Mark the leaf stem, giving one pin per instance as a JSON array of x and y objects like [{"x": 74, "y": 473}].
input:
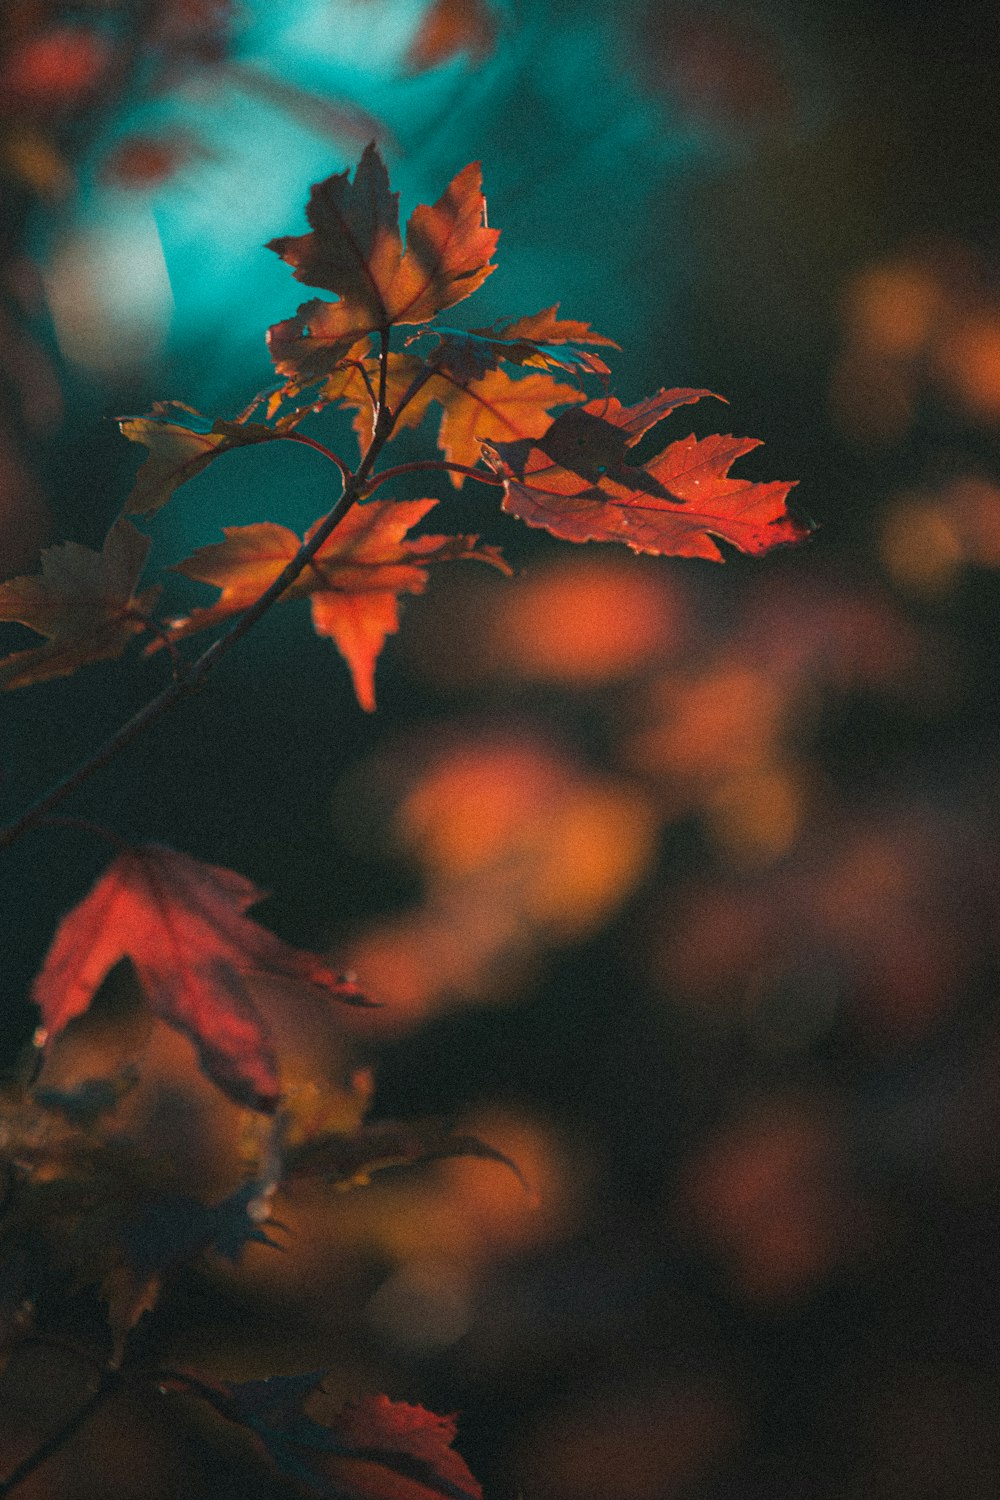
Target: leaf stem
[
  {"x": 422, "y": 465},
  {"x": 110, "y": 1380},
  {"x": 177, "y": 663},
  {"x": 359, "y": 365}
]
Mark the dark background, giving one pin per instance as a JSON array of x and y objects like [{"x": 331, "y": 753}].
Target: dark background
[{"x": 761, "y": 1066}]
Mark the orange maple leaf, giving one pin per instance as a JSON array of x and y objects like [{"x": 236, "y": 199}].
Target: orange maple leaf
[
  {"x": 353, "y": 583},
  {"x": 494, "y": 407},
  {"x": 576, "y": 482},
  {"x": 354, "y": 249},
  {"x": 182, "y": 924},
  {"x": 83, "y": 601}
]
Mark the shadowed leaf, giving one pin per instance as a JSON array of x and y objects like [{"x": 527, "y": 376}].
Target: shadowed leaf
[
  {"x": 179, "y": 451},
  {"x": 182, "y": 924},
  {"x": 83, "y": 601},
  {"x": 575, "y": 482}
]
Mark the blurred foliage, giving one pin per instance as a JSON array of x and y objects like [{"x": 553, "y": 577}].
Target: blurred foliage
[{"x": 681, "y": 887}]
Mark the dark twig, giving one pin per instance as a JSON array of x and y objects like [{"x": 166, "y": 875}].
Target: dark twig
[
  {"x": 354, "y": 488},
  {"x": 110, "y": 1381}
]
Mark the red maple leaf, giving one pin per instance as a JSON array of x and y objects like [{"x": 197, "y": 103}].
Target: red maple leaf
[
  {"x": 182, "y": 924},
  {"x": 576, "y": 482}
]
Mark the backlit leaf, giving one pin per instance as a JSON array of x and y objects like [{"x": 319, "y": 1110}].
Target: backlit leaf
[
  {"x": 178, "y": 451},
  {"x": 493, "y": 407},
  {"x": 353, "y": 583},
  {"x": 576, "y": 482},
  {"x": 354, "y": 249},
  {"x": 182, "y": 924}
]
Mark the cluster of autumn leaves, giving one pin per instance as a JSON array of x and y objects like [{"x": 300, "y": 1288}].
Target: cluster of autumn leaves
[
  {"x": 569, "y": 474},
  {"x": 182, "y": 923}
]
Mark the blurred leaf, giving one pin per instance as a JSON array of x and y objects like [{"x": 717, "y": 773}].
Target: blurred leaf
[
  {"x": 351, "y": 1159},
  {"x": 83, "y": 601},
  {"x": 450, "y": 27},
  {"x": 374, "y": 1449}
]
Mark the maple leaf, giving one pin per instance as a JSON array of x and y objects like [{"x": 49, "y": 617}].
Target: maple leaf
[
  {"x": 576, "y": 482},
  {"x": 354, "y": 250},
  {"x": 182, "y": 924},
  {"x": 353, "y": 583},
  {"x": 493, "y": 407},
  {"x": 543, "y": 339},
  {"x": 179, "y": 451},
  {"x": 83, "y": 601}
]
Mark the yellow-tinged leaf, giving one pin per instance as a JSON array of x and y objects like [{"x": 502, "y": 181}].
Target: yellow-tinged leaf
[
  {"x": 177, "y": 452},
  {"x": 493, "y": 408}
]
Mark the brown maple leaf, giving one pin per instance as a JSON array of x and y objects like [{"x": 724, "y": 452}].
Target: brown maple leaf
[
  {"x": 182, "y": 924},
  {"x": 353, "y": 583},
  {"x": 576, "y": 482},
  {"x": 354, "y": 249},
  {"x": 83, "y": 601}
]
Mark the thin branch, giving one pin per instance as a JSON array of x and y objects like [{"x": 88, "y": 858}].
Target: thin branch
[
  {"x": 199, "y": 669},
  {"x": 359, "y": 365},
  {"x": 110, "y": 1380},
  {"x": 382, "y": 415},
  {"x": 422, "y": 465}
]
